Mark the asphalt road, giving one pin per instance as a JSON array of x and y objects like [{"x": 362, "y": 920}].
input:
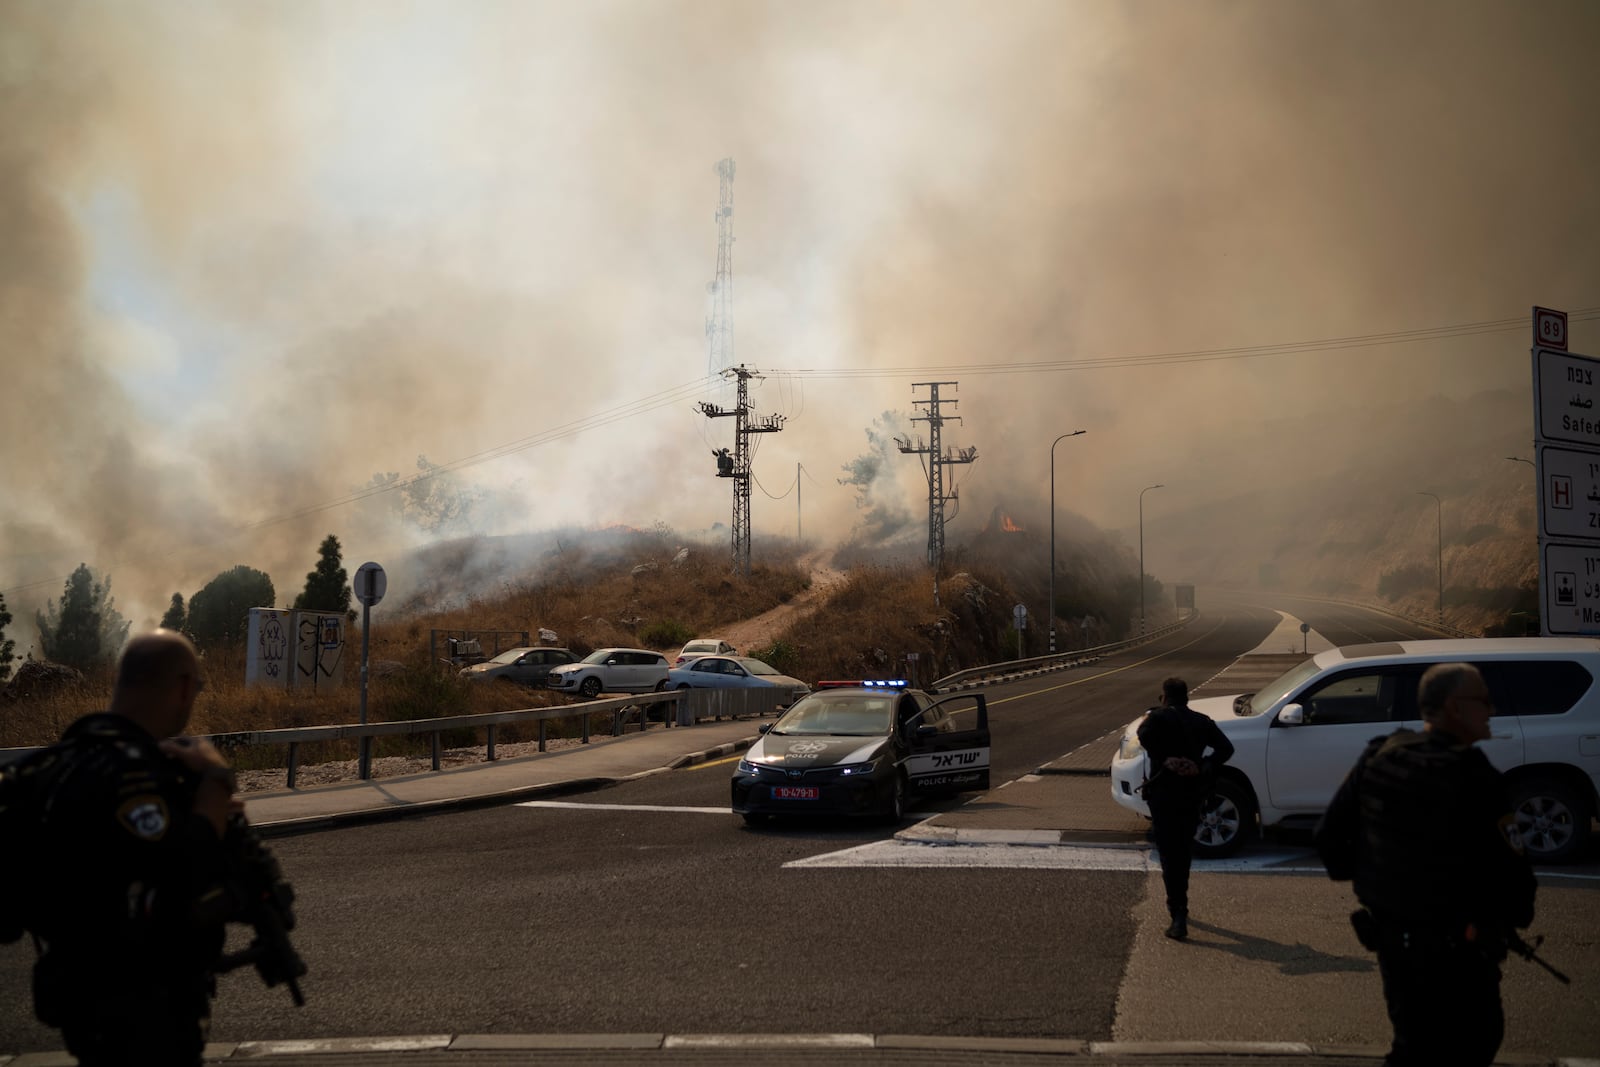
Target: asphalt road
[{"x": 654, "y": 909}]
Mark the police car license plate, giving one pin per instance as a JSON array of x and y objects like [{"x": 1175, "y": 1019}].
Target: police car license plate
[{"x": 795, "y": 792}]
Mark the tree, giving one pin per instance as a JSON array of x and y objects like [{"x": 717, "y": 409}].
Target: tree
[
  {"x": 435, "y": 499},
  {"x": 83, "y": 629},
  {"x": 8, "y": 647},
  {"x": 327, "y": 587},
  {"x": 176, "y": 617},
  {"x": 219, "y": 614}
]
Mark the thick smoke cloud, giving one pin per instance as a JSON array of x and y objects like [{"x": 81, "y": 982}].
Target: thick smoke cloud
[{"x": 257, "y": 254}]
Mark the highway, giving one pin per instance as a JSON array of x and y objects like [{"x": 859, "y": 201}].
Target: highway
[{"x": 649, "y": 907}]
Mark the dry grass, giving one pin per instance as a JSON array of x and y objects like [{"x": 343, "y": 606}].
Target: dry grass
[{"x": 631, "y": 594}]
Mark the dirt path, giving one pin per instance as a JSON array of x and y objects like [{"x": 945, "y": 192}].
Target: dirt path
[{"x": 765, "y": 628}]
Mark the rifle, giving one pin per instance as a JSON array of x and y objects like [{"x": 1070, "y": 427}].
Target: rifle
[
  {"x": 1531, "y": 954},
  {"x": 263, "y": 898}
]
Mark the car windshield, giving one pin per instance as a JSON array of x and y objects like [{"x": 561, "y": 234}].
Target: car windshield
[
  {"x": 755, "y": 666},
  {"x": 599, "y": 655},
  {"x": 861, "y": 716},
  {"x": 700, "y": 646},
  {"x": 509, "y": 656},
  {"x": 1276, "y": 690}
]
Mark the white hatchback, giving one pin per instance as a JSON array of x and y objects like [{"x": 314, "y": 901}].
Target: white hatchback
[
  {"x": 1297, "y": 737},
  {"x": 612, "y": 670}
]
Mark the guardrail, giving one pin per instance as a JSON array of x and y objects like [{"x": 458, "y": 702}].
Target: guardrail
[
  {"x": 1059, "y": 661},
  {"x": 687, "y": 707}
]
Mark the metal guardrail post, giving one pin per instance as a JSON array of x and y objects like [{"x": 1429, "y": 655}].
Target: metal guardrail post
[
  {"x": 294, "y": 761},
  {"x": 541, "y": 735},
  {"x": 365, "y": 758},
  {"x": 491, "y": 742},
  {"x": 436, "y": 750}
]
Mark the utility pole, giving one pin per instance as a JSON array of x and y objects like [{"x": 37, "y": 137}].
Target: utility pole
[
  {"x": 737, "y": 465},
  {"x": 938, "y": 459},
  {"x": 799, "y": 519}
]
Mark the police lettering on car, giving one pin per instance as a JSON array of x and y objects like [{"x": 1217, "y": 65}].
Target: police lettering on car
[{"x": 864, "y": 748}]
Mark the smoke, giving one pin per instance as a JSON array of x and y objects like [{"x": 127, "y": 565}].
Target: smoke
[{"x": 257, "y": 255}]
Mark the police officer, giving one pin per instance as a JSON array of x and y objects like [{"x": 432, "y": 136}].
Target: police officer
[
  {"x": 1176, "y": 739},
  {"x": 132, "y": 910},
  {"x": 1423, "y": 825}
]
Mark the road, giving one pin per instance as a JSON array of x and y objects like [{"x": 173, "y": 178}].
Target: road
[{"x": 649, "y": 907}]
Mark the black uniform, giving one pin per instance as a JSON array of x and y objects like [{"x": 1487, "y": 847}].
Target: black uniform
[
  {"x": 1175, "y": 799},
  {"x": 1423, "y": 825},
  {"x": 130, "y": 907}
]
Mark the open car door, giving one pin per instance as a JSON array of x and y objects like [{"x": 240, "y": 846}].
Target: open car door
[{"x": 949, "y": 746}]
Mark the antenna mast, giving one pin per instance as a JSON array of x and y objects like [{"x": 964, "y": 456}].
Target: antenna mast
[{"x": 719, "y": 322}]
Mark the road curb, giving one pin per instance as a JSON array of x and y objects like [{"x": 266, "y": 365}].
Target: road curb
[{"x": 433, "y": 1047}]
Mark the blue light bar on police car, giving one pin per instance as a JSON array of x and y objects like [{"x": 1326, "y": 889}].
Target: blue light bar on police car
[{"x": 867, "y": 683}]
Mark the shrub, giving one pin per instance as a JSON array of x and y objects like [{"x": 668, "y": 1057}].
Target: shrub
[{"x": 665, "y": 634}]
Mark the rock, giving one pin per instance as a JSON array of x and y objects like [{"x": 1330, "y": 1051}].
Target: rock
[{"x": 36, "y": 678}]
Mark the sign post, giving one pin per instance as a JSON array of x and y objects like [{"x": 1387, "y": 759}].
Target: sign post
[
  {"x": 1566, "y": 427},
  {"x": 370, "y": 584},
  {"x": 1019, "y": 619}
]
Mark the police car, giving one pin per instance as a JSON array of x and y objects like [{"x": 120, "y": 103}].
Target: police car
[{"x": 864, "y": 748}]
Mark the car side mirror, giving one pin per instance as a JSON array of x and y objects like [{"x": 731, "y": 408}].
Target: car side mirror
[
  {"x": 1292, "y": 715},
  {"x": 1241, "y": 702},
  {"x": 763, "y": 728}
]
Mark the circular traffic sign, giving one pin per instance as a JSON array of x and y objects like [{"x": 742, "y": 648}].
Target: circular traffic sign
[{"x": 370, "y": 583}]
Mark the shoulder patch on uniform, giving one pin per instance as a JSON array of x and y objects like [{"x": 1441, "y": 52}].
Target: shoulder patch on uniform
[
  {"x": 1509, "y": 831},
  {"x": 145, "y": 817}
]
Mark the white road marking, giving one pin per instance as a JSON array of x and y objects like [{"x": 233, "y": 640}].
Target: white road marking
[
  {"x": 1050, "y": 857},
  {"x": 620, "y": 807}
]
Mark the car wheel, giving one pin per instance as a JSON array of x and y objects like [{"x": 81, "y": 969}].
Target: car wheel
[
  {"x": 897, "y": 800},
  {"x": 1227, "y": 820},
  {"x": 1552, "y": 819},
  {"x": 590, "y": 687},
  {"x": 661, "y": 686}
]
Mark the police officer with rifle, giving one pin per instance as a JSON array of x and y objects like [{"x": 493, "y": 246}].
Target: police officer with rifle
[
  {"x": 138, "y": 855},
  {"x": 1423, "y": 826}
]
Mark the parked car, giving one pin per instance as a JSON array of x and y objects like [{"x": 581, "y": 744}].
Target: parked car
[
  {"x": 612, "y": 670},
  {"x": 864, "y": 750},
  {"x": 525, "y": 666},
  {"x": 734, "y": 672},
  {"x": 704, "y": 646},
  {"x": 1296, "y": 738}
]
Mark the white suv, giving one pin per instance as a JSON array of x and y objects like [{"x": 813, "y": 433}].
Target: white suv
[
  {"x": 612, "y": 670},
  {"x": 1296, "y": 738}
]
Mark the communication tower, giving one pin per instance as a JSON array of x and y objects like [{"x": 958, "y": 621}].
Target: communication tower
[{"x": 719, "y": 320}]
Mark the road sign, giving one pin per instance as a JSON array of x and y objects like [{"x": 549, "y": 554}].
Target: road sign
[
  {"x": 1550, "y": 328},
  {"x": 1569, "y": 498},
  {"x": 1565, "y": 389},
  {"x": 1571, "y": 589},
  {"x": 370, "y": 584},
  {"x": 1019, "y": 616}
]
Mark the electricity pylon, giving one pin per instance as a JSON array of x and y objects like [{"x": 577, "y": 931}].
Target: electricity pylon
[
  {"x": 737, "y": 465},
  {"x": 938, "y": 459}
]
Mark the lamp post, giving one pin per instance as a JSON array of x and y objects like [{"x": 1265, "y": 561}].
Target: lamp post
[
  {"x": 1051, "y": 608},
  {"x": 1439, "y": 509},
  {"x": 1142, "y": 492}
]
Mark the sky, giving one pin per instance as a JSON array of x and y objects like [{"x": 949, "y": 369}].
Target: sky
[{"x": 256, "y": 254}]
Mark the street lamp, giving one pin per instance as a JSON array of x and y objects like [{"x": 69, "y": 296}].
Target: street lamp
[
  {"x": 1440, "y": 514},
  {"x": 1051, "y": 608},
  {"x": 1142, "y": 492}
]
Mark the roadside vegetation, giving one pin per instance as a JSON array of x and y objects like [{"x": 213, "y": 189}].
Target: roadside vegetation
[{"x": 639, "y": 588}]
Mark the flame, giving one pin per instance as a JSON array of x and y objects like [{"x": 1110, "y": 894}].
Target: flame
[{"x": 1008, "y": 526}]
